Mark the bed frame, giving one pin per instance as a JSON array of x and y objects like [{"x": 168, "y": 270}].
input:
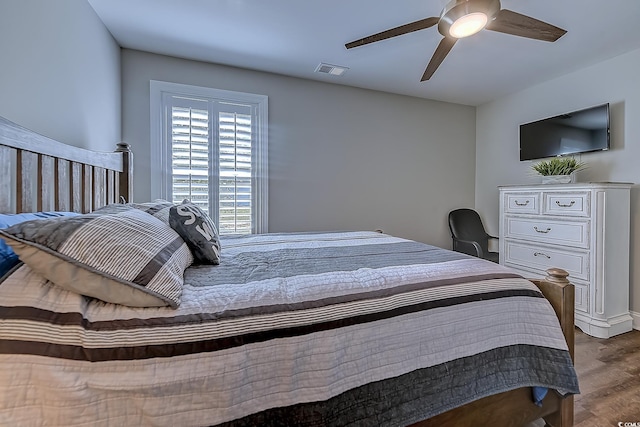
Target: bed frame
[{"x": 40, "y": 174}]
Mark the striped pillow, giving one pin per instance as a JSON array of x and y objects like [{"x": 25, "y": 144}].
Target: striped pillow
[
  {"x": 126, "y": 257},
  {"x": 159, "y": 208}
]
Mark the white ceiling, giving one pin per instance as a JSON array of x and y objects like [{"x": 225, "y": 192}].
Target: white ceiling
[{"x": 292, "y": 37}]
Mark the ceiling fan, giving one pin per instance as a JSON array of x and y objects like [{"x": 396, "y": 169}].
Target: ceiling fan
[{"x": 462, "y": 18}]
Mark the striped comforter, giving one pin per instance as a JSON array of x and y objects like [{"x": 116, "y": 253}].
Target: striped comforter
[{"x": 290, "y": 329}]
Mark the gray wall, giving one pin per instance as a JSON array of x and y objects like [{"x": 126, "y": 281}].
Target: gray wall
[
  {"x": 339, "y": 157},
  {"x": 60, "y": 72},
  {"x": 614, "y": 81}
]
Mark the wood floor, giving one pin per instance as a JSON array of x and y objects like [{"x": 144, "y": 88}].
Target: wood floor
[{"x": 609, "y": 377}]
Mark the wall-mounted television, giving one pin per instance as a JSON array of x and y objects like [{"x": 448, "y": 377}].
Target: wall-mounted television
[{"x": 571, "y": 133}]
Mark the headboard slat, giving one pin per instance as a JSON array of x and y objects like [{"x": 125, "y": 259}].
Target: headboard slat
[
  {"x": 99, "y": 191},
  {"x": 63, "y": 185},
  {"x": 46, "y": 183},
  {"x": 76, "y": 187},
  {"x": 26, "y": 165},
  {"x": 87, "y": 188},
  {"x": 7, "y": 155},
  {"x": 111, "y": 187}
]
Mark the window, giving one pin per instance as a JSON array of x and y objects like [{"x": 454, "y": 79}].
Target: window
[{"x": 211, "y": 148}]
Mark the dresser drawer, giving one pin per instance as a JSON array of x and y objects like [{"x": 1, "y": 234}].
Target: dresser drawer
[
  {"x": 541, "y": 258},
  {"x": 525, "y": 203},
  {"x": 565, "y": 203},
  {"x": 568, "y": 233}
]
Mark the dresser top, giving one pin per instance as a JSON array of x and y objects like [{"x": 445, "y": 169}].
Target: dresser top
[{"x": 569, "y": 186}]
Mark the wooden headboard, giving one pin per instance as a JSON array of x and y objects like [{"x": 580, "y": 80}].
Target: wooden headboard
[{"x": 40, "y": 174}]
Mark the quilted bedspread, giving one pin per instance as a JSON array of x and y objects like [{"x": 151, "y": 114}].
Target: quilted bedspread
[{"x": 353, "y": 328}]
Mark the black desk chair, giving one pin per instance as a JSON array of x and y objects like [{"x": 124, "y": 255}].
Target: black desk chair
[{"x": 469, "y": 235}]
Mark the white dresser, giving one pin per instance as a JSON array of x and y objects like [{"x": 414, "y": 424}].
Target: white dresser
[{"x": 581, "y": 228}]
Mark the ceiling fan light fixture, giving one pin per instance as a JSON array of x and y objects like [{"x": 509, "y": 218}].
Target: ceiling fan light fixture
[
  {"x": 468, "y": 25},
  {"x": 462, "y": 18}
]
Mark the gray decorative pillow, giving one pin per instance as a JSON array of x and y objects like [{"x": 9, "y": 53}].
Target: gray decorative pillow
[
  {"x": 198, "y": 230},
  {"x": 126, "y": 257}
]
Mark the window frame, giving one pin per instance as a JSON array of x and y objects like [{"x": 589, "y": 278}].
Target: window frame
[{"x": 160, "y": 143}]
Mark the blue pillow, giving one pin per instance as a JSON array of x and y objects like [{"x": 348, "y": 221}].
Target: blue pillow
[{"x": 8, "y": 258}]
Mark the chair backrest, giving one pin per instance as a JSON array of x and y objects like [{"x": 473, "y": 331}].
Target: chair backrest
[{"x": 465, "y": 224}]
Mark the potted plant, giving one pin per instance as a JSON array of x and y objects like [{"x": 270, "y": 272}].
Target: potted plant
[{"x": 559, "y": 170}]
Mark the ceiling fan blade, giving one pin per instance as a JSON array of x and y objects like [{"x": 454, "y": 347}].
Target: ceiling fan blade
[
  {"x": 509, "y": 22},
  {"x": 398, "y": 31},
  {"x": 438, "y": 56}
]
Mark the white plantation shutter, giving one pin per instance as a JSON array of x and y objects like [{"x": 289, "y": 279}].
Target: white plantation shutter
[
  {"x": 190, "y": 155},
  {"x": 235, "y": 171},
  {"x": 213, "y": 152}
]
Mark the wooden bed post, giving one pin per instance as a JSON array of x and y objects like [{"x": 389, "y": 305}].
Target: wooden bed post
[
  {"x": 562, "y": 298},
  {"x": 126, "y": 177},
  {"x": 561, "y": 294}
]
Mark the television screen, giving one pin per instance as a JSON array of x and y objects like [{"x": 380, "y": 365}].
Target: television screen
[{"x": 577, "y": 132}]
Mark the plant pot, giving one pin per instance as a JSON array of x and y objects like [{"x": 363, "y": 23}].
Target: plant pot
[{"x": 558, "y": 179}]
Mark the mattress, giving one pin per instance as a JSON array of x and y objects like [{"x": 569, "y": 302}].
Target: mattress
[{"x": 350, "y": 328}]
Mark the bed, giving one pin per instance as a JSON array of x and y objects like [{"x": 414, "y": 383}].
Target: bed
[{"x": 308, "y": 329}]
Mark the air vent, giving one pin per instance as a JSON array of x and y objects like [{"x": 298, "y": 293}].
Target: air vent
[{"x": 334, "y": 70}]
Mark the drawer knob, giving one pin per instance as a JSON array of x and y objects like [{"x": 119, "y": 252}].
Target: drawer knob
[
  {"x": 526, "y": 202},
  {"x": 573, "y": 202},
  {"x": 541, "y": 254},
  {"x": 542, "y": 231}
]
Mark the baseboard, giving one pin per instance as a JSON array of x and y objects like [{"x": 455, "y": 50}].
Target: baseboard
[{"x": 636, "y": 320}]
